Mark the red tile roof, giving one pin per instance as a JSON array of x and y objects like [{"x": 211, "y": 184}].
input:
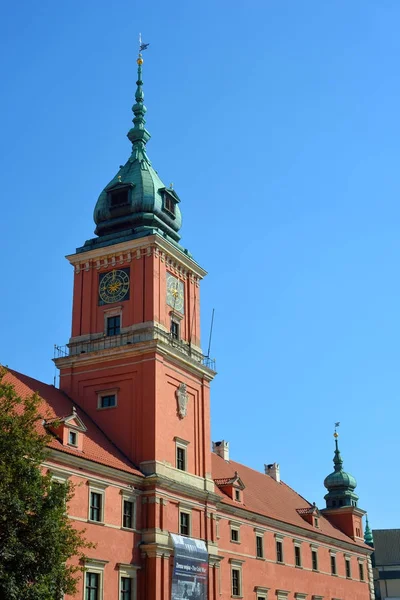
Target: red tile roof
[
  {"x": 267, "y": 497},
  {"x": 55, "y": 404}
]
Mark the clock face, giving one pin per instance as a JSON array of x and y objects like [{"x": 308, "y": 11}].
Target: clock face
[
  {"x": 175, "y": 293},
  {"x": 114, "y": 286}
]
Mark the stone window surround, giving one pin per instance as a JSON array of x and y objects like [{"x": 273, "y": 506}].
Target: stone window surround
[
  {"x": 129, "y": 497},
  {"x": 181, "y": 443},
  {"x": 237, "y": 565},
  {"x": 279, "y": 538},
  {"x": 297, "y": 544},
  {"x": 97, "y": 488},
  {"x": 125, "y": 570},
  {"x": 282, "y": 594},
  {"x": 261, "y": 592},
  {"x": 107, "y": 392},
  {"x": 184, "y": 509},
  {"x": 95, "y": 565},
  {"x": 116, "y": 311},
  {"x": 234, "y": 526},
  {"x": 260, "y": 534},
  {"x": 314, "y": 548}
]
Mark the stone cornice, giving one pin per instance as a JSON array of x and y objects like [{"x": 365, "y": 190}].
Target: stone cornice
[
  {"x": 126, "y": 252},
  {"x": 151, "y": 346},
  {"x": 103, "y": 470}
]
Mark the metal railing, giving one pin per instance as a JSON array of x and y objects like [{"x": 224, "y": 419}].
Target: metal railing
[{"x": 124, "y": 339}]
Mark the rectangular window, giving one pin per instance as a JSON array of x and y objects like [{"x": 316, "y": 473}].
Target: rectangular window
[
  {"x": 92, "y": 586},
  {"x": 127, "y": 520},
  {"x": 72, "y": 438},
  {"x": 361, "y": 568},
  {"x": 181, "y": 458},
  {"x": 348, "y": 568},
  {"x": 235, "y": 582},
  {"x": 259, "y": 546},
  {"x": 126, "y": 588},
  {"x": 184, "y": 524},
  {"x": 108, "y": 401},
  {"x": 175, "y": 330},
  {"x": 234, "y": 535},
  {"x": 333, "y": 564},
  {"x": 95, "y": 506},
  {"x": 169, "y": 204},
  {"x": 119, "y": 198},
  {"x": 237, "y": 495},
  {"x": 297, "y": 556},
  {"x": 314, "y": 560},
  {"x": 113, "y": 325},
  {"x": 279, "y": 551}
]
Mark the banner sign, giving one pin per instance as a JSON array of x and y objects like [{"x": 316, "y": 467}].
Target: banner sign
[{"x": 190, "y": 575}]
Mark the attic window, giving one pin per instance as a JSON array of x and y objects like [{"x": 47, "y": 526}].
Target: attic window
[
  {"x": 73, "y": 438},
  {"x": 237, "y": 495},
  {"x": 169, "y": 203},
  {"x": 119, "y": 198},
  {"x": 316, "y": 522}
]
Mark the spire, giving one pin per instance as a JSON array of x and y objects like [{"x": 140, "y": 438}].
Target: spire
[
  {"x": 138, "y": 135},
  {"x": 337, "y": 459},
  {"x": 368, "y": 537}
]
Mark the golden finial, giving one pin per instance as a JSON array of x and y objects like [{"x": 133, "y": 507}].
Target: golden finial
[
  {"x": 336, "y": 435},
  {"x": 119, "y": 178}
]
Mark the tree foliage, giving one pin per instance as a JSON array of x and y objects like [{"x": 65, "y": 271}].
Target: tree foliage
[{"x": 36, "y": 536}]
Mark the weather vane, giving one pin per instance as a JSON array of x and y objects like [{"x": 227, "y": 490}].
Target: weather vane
[
  {"x": 336, "y": 426},
  {"x": 142, "y": 46}
]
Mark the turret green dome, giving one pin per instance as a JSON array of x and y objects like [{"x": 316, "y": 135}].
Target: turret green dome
[
  {"x": 340, "y": 485},
  {"x": 136, "y": 202}
]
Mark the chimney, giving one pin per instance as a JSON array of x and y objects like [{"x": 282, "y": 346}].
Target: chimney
[
  {"x": 222, "y": 449},
  {"x": 273, "y": 471}
]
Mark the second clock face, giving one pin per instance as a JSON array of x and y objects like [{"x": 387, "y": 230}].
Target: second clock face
[
  {"x": 114, "y": 286},
  {"x": 175, "y": 293}
]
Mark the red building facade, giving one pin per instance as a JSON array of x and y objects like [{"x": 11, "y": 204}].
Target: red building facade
[{"x": 170, "y": 517}]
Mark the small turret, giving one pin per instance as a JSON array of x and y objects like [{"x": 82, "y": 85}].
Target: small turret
[{"x": 340, "y": 485}]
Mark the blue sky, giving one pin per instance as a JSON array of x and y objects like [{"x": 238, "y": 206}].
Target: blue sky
[{"x": 278, "y": 123}]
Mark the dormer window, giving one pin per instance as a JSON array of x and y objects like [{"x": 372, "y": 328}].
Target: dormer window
[
  {"x": 237, "y": 495},
  {"x": 119, "y": 197},
  {"x": 72, "y": 438},
  {"x": 169, "y": 203}
]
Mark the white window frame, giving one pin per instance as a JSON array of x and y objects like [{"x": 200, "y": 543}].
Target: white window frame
[
  {"x": 237, "y": 566},
  {"x": 314, "y": 549},
  {"x": 94, "y": 565},
  {"x": 97, "y": 488},
  {"x": 73, "y": 431},
  {"x": 128, "y": 497},
  {"x": 183, "y": 444},
  {"x": 362, "y": 562},
  {"x": 279, "y": 538},
  {"x": 234, "y": 526},
  {"x": 125, "y": 570},
  {"x": 297, "y": 544},
  {"x": 261, "y": 592},
  {"x": 333, "y": 553},
  {"x": 101, "y": 394},
  {"x": 282, "y": 594},
  {"x": 186, "y": 511}
]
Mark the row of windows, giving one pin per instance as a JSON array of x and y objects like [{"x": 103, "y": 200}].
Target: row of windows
[
  {"x": 96, "y": 510},
  {"x": 94, "y": 586},
  {"x": 297, "y": 554},
  {"x": 236, "y": 576},
  {"x": 113, "y": 327}
]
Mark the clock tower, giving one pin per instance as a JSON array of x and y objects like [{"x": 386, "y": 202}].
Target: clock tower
[{"x": 134, "y": 360}]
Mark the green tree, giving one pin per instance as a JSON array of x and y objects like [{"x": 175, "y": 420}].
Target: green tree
[{"x": 36, "y": 536}]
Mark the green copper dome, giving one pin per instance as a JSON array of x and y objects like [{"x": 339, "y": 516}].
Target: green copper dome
[
  {"x": 340, "y": 485},
  {"x": 136, "y": 202}
]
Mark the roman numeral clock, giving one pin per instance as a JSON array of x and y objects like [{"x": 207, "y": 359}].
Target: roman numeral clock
[{"x": 114, "y": 286}]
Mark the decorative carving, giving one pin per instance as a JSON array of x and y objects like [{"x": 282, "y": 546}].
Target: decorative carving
[{"x": 183, "y": 399}]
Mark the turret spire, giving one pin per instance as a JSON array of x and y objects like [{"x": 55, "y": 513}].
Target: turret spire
[
  {"x": 368, "y": 537},
  {"x": 138, "y": 135},
  {"x": 340, "y": 485}
]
